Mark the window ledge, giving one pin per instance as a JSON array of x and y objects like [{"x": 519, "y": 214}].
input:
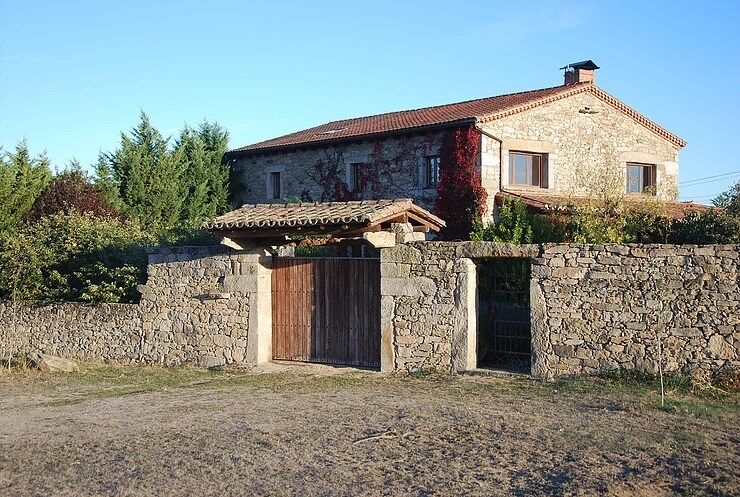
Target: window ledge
[{"x": 526, "y": 188}]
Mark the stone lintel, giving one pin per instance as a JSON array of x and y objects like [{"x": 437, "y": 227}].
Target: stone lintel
[{"x": 380, "y": 239}]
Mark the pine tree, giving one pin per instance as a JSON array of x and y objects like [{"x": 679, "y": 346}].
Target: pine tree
[
  {"x": 106, "y": 183},
  {"x": 22, "y": 178}
]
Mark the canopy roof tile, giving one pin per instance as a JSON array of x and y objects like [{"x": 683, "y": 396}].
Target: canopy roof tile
[{"x": 321, "y": 217}]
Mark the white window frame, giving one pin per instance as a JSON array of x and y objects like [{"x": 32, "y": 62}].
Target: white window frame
[
  {"x": 653, "y": 168},
  {"x": 543, "y": 163}
]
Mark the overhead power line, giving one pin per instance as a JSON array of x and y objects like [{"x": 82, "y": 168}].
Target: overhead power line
[
  {"x": 718, "y": 176},
  {"x": 704, "y": 182}
]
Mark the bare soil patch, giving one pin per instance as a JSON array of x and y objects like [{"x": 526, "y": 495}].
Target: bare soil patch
[{"x": 148, "y": 431}]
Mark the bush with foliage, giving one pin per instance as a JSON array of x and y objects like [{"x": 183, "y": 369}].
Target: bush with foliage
[
  {"x": 516, "y": 225},
  {"x": 707, "y": 227},
  {"x": 70, "y": 191},
  {"x": 74, "y": 257}
]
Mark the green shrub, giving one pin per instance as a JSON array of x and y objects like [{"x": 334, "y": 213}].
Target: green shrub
[
  {"x": 74, "y": 257},
  {"x": 516, "y": 225}
]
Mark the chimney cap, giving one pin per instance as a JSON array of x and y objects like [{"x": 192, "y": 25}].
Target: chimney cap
[{"x": 584, "y": 64}]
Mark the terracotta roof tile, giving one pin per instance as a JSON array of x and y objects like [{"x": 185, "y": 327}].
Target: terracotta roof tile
[
  {"x": 554, "y": 201},
  {"x": 480, "y": 110},
  {"x": 318, "y": 214}
]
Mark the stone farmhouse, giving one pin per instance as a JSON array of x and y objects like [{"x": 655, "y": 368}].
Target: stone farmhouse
[{"x": 541, "y": 145}]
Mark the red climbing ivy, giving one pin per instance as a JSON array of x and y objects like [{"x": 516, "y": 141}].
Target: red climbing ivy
[
  {"x": 384, "y": 175},
  {"x": 460, "y": 197}
]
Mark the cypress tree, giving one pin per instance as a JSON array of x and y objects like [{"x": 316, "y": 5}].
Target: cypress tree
[
  {"x": 22, "y": 178},
  {"x": 149, "y": 177},
  {"x": 206, "y": 173}
]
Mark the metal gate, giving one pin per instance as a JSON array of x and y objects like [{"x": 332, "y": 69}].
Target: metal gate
[
  {"x": 326, "y": 310},
  {"x": 505, "y": 337}
]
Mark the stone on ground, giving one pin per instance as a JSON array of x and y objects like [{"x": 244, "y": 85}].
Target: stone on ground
[{"x": 52, "y": 363}]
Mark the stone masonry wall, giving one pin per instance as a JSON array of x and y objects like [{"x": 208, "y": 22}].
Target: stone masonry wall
[
  {"x": 107, "y": 332},
  {"x": 602, "y": 307},
  {"x": 594, "y": 308},
  {"x": 580, "y": 146},
  {"x": 403, "y": 178},
  {"x": 428, "y": 302},
  {"x": 196, "y": 307}
]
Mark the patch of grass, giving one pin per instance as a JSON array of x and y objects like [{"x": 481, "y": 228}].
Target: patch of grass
[
  {"x": 712, "y": 410},
  {"x": 621, "y": 391},
  {"x": 683, "y": 437},
  {"x": 107, "y": 381},
  {"x": 642, "y": 391}
]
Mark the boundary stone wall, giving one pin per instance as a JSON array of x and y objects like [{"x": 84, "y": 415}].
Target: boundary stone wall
[
  {"x": 598, "y": 308},
  {"x": 429, "y": 303},
  {"x": 105, "y": 332},
  {"x": 197, "y": 306},
  {"x": 594, "y": 308}
]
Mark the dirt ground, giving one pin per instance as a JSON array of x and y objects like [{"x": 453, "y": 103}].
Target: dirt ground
[{"x": 326, "y": 432}]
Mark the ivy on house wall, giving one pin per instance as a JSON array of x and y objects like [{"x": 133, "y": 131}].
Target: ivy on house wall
[
  {"x": 390, "y": 171},
  {"x": 461, "y": 199}
]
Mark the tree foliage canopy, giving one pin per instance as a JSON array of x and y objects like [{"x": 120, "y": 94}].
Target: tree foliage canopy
[
  {"x": 729, "y": 200},
  {"x": 22, "y": 178},
  {"x": 162, "y": 185},
  {"x": 67, "y": 238}
]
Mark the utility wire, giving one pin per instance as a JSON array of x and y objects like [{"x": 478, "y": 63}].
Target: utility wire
[
  {"x": 705, "y": 196},
  {"x": 702, "y": 182},
  {"x": 720, "y": 176}
]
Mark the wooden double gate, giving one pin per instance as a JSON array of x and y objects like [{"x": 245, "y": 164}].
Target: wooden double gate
[{"x": 326, "y": 310}]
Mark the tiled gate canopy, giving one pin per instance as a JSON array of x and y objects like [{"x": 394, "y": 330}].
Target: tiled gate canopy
[{"x": 344, "y": 219}]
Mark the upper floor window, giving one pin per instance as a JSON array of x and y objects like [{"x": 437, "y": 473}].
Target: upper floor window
[
  {"x": 274, "y": 189},
  {"x": 528, "y": 169},
  {"x": 641, "y": 178},
  {"x": 354, "y": 181},
  {"x": 431, "y": 171}
]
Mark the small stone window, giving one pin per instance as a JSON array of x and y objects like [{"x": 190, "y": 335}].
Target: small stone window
[
  {"x": 431, "y": 171},
  {"x": 641, "y": 178},
  {"x": 354, "y": 181},
  {"x": 275, "y": 192},
  {"x": 528, "y": 169}
]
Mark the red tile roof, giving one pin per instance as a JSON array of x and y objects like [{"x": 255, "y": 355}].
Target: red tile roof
[
  {"x": 318, "y": 214},
  {"x": 553, "y": 201},
  {"x": 480, "y": 111}
]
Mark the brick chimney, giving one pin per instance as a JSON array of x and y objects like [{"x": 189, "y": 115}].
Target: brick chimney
[{"x": 580, "y": 72}]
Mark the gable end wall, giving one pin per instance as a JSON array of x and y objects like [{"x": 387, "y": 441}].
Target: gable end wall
[{"x": 585, "y": 139}]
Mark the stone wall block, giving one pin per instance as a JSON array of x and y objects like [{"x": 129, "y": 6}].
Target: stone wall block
[{"x": 406, "y": 254}]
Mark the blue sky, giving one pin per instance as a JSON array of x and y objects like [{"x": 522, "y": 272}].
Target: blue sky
[{"x": 74, "y": 74}]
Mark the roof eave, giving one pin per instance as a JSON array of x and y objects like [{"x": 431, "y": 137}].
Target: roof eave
[{"x": 345, "y": 139}]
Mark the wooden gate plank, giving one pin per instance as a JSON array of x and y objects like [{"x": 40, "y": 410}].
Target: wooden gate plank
[{"x": 327, "y": 310}]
